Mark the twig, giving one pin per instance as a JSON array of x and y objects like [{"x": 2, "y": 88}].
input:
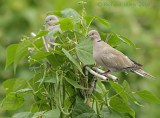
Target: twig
[
  {"x": 96, "y": 74},
  {"x": 109, "y": 75},
  {"x": 107, "y": 38},
  {"x": 91, "y": 90},
  {"x": 44, "y": 40}
]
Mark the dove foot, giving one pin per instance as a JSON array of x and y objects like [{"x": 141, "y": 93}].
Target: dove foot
[{"x": 106, "y": 73}]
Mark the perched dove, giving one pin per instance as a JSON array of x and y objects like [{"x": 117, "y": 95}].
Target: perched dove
[
  {"x": 112, "y": 59},
  {"x": 50, "y": 20}
]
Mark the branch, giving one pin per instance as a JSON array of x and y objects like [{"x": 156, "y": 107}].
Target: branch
[
  {"x": 96, "y": 74},
  {"x": 109, "y": 75},
  {"x": 91, "y": 90},
  {"x": 44, "y": 40},
  {"x": 107, "y": 38}
]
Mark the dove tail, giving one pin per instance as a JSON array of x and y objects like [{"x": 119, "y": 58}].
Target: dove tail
[{"x": 143, "y": 74}]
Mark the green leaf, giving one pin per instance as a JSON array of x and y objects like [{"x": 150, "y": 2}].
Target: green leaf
[
  {"x": 50, "y": 34},
  {"x": 34, "y": 108},
  {"x": 109, "y": 113},
  {"x": 13, "y": 85},
  {"x": 74, "y": 83},
  {"x": 23, "y": 92},
  {"x": 113, "y": 40},
  {"x": 56, "y": 60},
  {"x": 128, "y": 91},
  {"x": 103, "y": 36},
  {"x": 38, "y": 43},
  {"x": 125, "y": 40},
  {"x": 88, "y": 19},
  {"x": 70, "y": 13},
  {"x": 51, "y": 113},
  {"x": 103, "y": 21},
  {"x": 11, "y": 51},
  {"x": 12, "y": 102},
  {"x": 85, "y": 52},
  {"x": 119, "y": 90},
  {"x": 66, "y": 24},
  {"x": 148, "y": 96},
  {"x": 82, "y": 110},
  {"x": 72, "y": 59},
  {"x": 23, "y": 115},
  {"x": 21, "y": 52},
  {"x": 39, "y": 56},
  {"x": 40, "y": 34},
  {"x": 118, "y": 105}
]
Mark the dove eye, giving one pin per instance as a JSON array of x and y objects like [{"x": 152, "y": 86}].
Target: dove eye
[{"x": 92, "y": 33}]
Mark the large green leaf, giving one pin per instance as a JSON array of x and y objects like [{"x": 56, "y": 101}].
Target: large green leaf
[
  {"x": 56, "y": 60},
  {"x": 148, "y": 96},
  {"x": 21, "y": 52},
  {"x": 40, "y": 34},
  {"x": 128, "y": 91},
  {"x": 70, "y": 13},
  {"x": 39, "y": 56},
  {"x": 85, "y": 52},
  {"x": 119, "y": 90},
  {"x": 125, "y": 40},
  {"x": 82, "y": 110},
  {"x": 74, "y": 83},
  {"x": 103, "y": 21},
  {"x": 13, "y": 85},
  {"x": 118, "y": 105},
  {"x": 66, "y": 24},
  {"x": 88, "y": 19},
  {"x": 52, "y": 113},
  {"x": 113, "y": 40},
  {"x": 73, "y": 60},
  {"x": 38, "y": 43},
  {"x": 11, "y": 52},
  {"x": 12, "y": 102},
  {"x": 103, "y": 36},
  {"x": 23, "y": 115}
]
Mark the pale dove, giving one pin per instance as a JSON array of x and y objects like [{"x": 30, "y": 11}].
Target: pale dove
[
  {"x": 112, "y": 59},
  {"x": 50, "y": 20}
]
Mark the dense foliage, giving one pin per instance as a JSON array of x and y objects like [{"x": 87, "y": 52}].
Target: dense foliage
[{"x": 60, "y": 85}]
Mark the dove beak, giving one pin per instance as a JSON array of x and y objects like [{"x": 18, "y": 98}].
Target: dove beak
[
  {"x": 45, "y": 23},
  {"x": 87, "y": 37}
]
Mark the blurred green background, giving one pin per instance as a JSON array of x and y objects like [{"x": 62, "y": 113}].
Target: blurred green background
[{"x": 137, "y": 20}]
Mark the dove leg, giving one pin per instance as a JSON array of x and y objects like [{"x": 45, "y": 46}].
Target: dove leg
[{"x": 106, "y": 73}]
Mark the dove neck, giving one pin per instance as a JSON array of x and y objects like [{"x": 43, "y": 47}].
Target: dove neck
[{"x": 97, "y": 43}]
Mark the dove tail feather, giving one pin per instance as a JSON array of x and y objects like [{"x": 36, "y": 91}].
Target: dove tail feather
[{"x": 143, "y": 74}]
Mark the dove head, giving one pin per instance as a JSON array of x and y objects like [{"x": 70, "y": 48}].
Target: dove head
[
  {"x": 51, "y": 19},
  {"x": 93, "y": 34}
]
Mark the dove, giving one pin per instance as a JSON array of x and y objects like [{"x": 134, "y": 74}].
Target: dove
[
  {"x": 112, "y": 59},
  {"x": 50, "y": 20}
]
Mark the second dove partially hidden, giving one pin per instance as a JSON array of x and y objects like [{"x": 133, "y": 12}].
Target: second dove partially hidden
[{"x": 112, "y": 59}]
